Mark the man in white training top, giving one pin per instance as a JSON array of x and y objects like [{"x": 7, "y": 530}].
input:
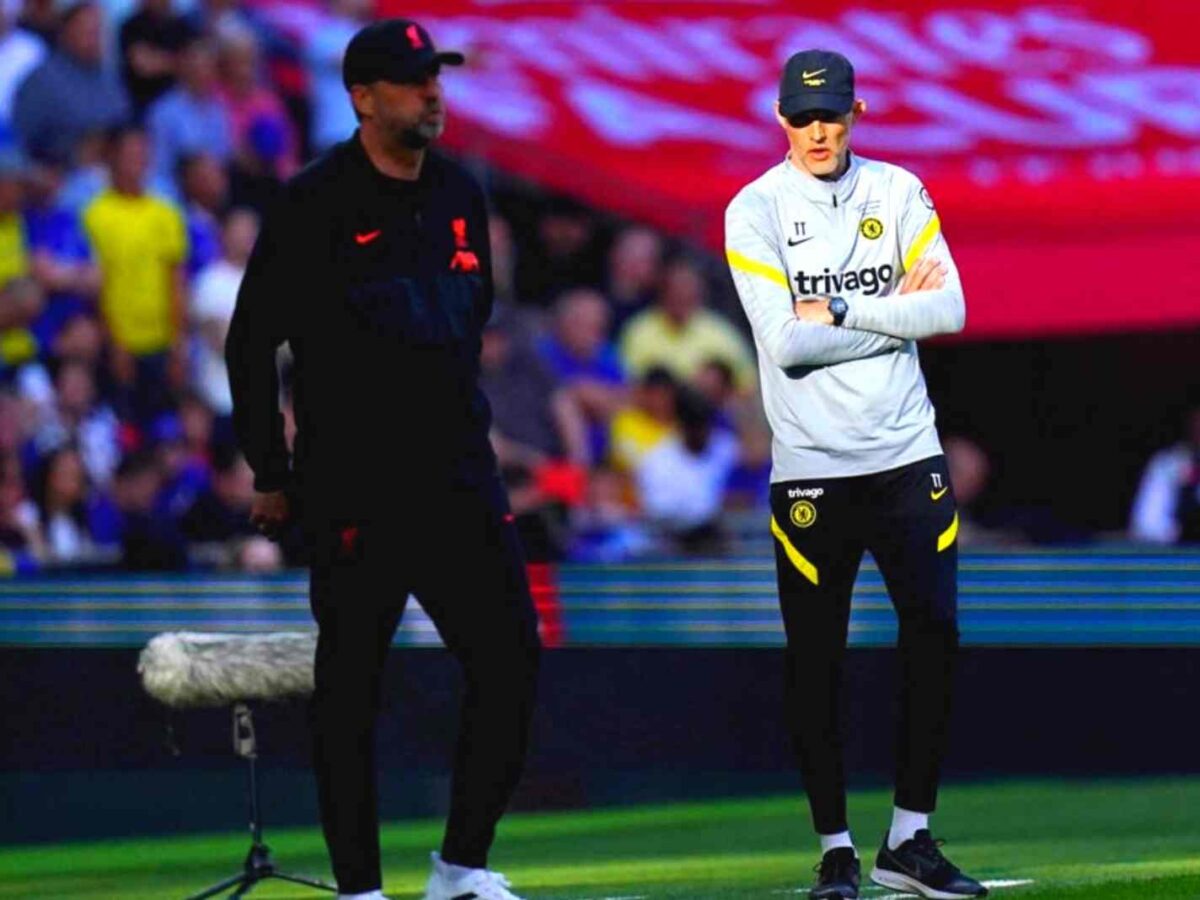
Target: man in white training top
[{"x": 841, "y": 266}]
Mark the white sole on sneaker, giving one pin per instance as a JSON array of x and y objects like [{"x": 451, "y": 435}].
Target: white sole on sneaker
[{"x": 900, "y": 882}]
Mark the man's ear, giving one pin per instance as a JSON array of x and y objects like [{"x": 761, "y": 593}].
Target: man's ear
[
  {"x": 779, "y": 116},
  {"x": 361, "y": 100},
  {"x": 859, "y": 109}
]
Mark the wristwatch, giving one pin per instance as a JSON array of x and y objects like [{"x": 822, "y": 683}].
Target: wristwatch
[{"x": 838, "y": 307}]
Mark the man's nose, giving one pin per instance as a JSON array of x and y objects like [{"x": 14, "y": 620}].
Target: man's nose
[{"x": 816, "y": 131}]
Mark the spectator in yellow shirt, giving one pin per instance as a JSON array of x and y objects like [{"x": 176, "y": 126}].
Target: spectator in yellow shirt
[
  {"x": 140, "y": 243},
  {"x": 680, "y": 335},
  {"x": 646, "y": 422},
  {"x": 21, "y": 298}
]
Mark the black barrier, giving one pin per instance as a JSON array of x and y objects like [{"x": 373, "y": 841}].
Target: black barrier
[{"x": 85, "y": 752}]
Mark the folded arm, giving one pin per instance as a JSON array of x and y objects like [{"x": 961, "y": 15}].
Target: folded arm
[
  {"x": 923, "y": 313},
  {"x": 759, "y": 274}
]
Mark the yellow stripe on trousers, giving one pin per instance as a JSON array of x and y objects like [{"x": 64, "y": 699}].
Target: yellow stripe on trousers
[
  {"x": 803, "y": 566},
  {"x": 754, "y": 267},
  {"x": 928, "y": 233},
  {"x": 946, "y": 538}
]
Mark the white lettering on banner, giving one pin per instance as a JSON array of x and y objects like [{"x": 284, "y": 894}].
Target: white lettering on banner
[
  {"x": 949, "y": 105},
  {"x": 529, "y": 44},
  {"x": 992, "y": 41},
  {"x": 1064, "y": 28},
  {"x": 1168, "y": 97},
  {"x": 660, "y": 57},
  {"x": 1090, "y": 123},
  {"x": 712, "y": 41},
  {"x": 1117, "y": 166},
  {"x": 1063, "y": 80},
  {"x": 892, "y": 33},
  {"x": 609, "y": 57},
  {"x": 636, "y": 120},
  {"x": 786, "y": 33},
  {"x": 507, "y": 102}
]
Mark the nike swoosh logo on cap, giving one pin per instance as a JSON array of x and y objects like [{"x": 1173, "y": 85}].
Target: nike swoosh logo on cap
[
  {"x": 805, "y": 75},
  {"x": 368, "y": 236}
]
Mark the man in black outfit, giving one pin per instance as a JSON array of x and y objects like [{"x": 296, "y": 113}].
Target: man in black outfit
[
  {"x": 374, "y": 267},
  {"x": 150, "y": 41}
]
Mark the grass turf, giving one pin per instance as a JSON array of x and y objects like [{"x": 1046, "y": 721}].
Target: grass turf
[{"x": 1074, "y": 840}]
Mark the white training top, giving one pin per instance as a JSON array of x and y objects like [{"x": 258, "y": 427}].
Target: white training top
[{"x": 847, "y": 400}]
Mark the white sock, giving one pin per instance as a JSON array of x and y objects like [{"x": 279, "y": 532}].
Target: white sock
[
  {"x": 905, "y": 825},
  {"x": 833, "y": 841},
  {"x": 369, "y": 895},
  {"x": 450, "y": 870}
]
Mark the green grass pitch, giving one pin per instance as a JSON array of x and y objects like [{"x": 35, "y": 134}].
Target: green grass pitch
[{"x": 1070, "y": 840}]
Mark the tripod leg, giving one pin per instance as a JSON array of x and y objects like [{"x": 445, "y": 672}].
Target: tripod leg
[
  {"x": 300, "y": 879},
  {"x": 219, "y": 888},
  {"x": 246, "y": 887}
]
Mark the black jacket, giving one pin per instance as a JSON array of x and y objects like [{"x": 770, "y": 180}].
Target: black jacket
[{"x": 382, "y": 288}]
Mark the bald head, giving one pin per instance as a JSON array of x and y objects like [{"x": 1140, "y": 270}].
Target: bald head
[
  {"x": 683, "y": 291},
  {"x": 635, "y": 261},
  {"x": 581, "y": 319}
]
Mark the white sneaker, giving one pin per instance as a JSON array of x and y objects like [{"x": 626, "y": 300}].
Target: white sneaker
[{"x": 471, "y": 884}]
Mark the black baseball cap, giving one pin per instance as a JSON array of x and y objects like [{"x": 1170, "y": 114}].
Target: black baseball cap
[
  {"x": 397, "y": 50},
  {"x": 816, "y": 79}
]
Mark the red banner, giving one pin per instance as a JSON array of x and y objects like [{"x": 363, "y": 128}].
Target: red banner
[{"x": 1061, "y": 143}]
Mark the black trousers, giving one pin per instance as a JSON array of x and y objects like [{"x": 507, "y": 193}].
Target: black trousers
[
  {"x": 908, "y": 520},
  {"x": 461, "y": 558}
]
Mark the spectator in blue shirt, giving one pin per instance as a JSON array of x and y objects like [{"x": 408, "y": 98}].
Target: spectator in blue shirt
[
  {"x": 61, "y": 258},
  {"x": 578, "y": 349},
  {"x": 584, "y": 361},
  {"x": 190, "y": 118},
  {"x": 205, "y": 186},
  {"x": 72, "y": 93}
]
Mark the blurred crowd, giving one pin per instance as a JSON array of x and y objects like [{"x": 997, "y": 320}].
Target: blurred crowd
[
  {"x": 137, "y": 154},
  {"x": 139, "y": 148},
  {"x": 625, "y": 414}
]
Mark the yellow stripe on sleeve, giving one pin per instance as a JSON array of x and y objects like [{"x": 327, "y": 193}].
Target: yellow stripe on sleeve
[
  {"x": 754, "y": 267},
  {"x": 946, "y": 538},
  {"x": 803, "y": 566},
  {"x": 928, "y": 233}
]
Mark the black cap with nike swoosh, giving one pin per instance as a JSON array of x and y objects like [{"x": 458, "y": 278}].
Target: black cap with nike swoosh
[{"x": 816, "y": 79}]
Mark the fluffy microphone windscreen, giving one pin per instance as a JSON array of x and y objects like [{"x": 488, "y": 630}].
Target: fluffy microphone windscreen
[{"x": 188, "y": 669}]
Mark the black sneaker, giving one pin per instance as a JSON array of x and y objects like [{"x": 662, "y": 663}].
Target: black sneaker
[
  {"x": 917, "y": 866},
  {"x": 837, "y": 876}
]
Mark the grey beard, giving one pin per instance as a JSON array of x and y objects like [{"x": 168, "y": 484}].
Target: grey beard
[{"x": 419, "y": 136}]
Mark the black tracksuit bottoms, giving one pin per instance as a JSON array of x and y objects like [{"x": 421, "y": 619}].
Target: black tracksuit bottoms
[
  {"x": 908, "y": 520},
  {"x": 461, "y": 558}
]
